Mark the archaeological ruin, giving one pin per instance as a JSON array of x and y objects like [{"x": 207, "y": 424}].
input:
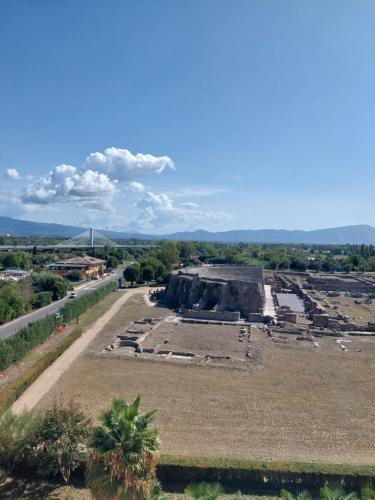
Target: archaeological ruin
[{"x": 217, "y": 291}]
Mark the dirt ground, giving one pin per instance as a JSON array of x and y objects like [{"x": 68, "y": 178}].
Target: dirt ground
[
  {"x": 297, "y": 403},
  {"x": 360, "y": 312},
  {"x": 51, "y": 375}
]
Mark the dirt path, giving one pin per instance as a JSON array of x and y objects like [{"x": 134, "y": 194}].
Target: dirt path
[{"x": 30, "y": 398}]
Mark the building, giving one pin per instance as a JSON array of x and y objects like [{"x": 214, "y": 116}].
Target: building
[
  {"x": 14, "y": 274},
  {"x": 89, "y": 267},
  {"x": 217, "y": 289}
]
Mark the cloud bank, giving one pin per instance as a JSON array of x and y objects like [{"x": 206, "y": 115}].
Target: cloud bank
[
  {"x": 95, "y": 180},
  {"x": 159, "y": 211},
  {"x": 97, "y": 190}
]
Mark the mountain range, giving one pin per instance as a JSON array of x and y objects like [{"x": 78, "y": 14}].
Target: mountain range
[{"x": 356, "y": 234}]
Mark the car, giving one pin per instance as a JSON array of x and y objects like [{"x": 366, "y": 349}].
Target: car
[{"x": 73, "y": 295}]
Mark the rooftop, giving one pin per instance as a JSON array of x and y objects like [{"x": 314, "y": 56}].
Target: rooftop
[{"x": 84, "y": 260}]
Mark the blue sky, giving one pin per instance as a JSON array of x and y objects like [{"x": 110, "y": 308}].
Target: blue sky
[{"x": 204, "y": 114}]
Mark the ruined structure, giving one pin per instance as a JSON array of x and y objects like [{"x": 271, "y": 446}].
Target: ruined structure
[
  {"x": 341, "y": 284},
  {"x": 217, "y": 288}
]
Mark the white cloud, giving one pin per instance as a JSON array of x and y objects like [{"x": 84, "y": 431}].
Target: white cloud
[
  {"x": 189, "y": 205},
  {"x": 137, "y": 187},
  {"x": 66, "y": 184},
  {"x": 12, "y": 173},
  {"x": 198, "y": 192},
  {"x": 159, "y": 212},
  {"x": 94, "y": 183},
  {"x": 121, "y": 164}
]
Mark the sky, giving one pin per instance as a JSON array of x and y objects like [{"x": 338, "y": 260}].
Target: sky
[{"x": 159, "y": 116}]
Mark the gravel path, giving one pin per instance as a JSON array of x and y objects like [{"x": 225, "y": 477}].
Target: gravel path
[{"x": 30, "y": 398}]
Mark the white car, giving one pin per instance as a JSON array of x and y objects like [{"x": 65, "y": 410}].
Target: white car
[{"x": 73, "y": 295}]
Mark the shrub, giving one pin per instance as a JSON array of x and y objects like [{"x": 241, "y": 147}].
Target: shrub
[
  {"x": 59, "y": 441},
  {"x": 204, "y": 491},
  {"x": 15, "y": 435}
]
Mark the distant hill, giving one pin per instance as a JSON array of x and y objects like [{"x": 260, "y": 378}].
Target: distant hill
[
  {"x": 18, "y": 227},
  {"x": 337, "y": 235}
]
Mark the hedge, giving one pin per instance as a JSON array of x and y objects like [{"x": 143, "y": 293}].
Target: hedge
[
  {"x": 14, "y": 390},
  {"x": 14, "y": 348},
  {"x": 78, "y": 306},
  {"x": 247, "y": 475}
]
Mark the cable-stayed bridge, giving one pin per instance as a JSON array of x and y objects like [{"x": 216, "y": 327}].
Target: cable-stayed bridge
[
  {"x": 90, "y": 238},
  {"x": 87, "y": 239}
]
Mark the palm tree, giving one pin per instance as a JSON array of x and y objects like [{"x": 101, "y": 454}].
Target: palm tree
[
  {"x": 122, "y": 462},
  {"x": 204, "y": 491},
  {"x": 336, "y": 493},
  {"x": 286, "y": 495}
]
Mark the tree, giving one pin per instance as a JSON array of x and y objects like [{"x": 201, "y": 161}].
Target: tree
[
  {"x": 111, "y": 262},
  {"x": 132, "y": 273},
  {"x": 298, "y": 262},
  {"x": 186, "y": 249},
  {"x": 204, "y": 491},
  {"x": 74, "y": 275},
  {"x": 122, "y": 462},
  {"x": 11, "y": 261},
  {"x": 329, "y": 265},
  {"x": 156, "y": 264},
  {"x": 12, "y": 303},
  {"x": 47, "y": 282},
  {"x": 42, "y": 299},
  {"x": 169, "y": 255},
  {"x": 59, "y": 440},
  {"x": 148, "y": 274},
  {"x": 15, "y": 435}
]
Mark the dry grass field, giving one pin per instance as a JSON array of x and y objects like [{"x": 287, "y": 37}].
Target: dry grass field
[{"x": 295, "y": 403}]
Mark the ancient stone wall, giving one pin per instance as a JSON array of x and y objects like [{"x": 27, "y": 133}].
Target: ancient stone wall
[
  {"x": 217, "y": 289},
  {"x": 325, "y": 283},
  {"x": 212, "y": 315}
]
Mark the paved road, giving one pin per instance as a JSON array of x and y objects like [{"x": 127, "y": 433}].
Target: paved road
[{"x": 12, "y": 327}]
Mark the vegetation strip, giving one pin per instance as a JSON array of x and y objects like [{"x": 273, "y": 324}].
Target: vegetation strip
[
  {"x": 33, "y": 335},
  {"x": 14, "y": 348},
  {"x": 261, "y": 475}
]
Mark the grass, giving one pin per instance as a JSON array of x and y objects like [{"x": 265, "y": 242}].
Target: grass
[{"x": 297, "y": 405}]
